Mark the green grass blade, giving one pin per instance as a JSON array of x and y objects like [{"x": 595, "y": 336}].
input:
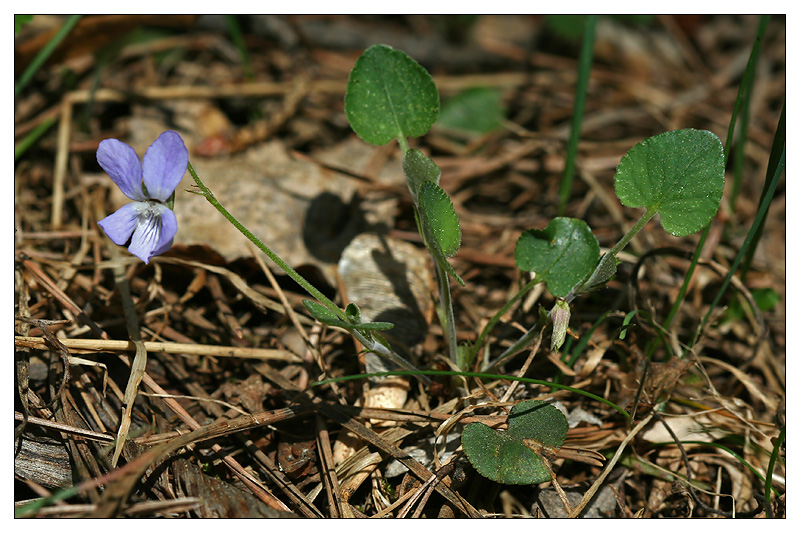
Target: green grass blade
[
  {"x": 499, "y": 314},
  {"x": 479, "y": 375},
  {"x": 773, "y": 160},
  {"x": 238, "y": 41},
  {"x": 770, "y": 469},
  {"x": 44, "y": 53},
  {"x": 744, "y": 96},
  {"x": 581, "y": 90},
  {"x": 760, "y": 215},
  {"x": 32, "y": 137},
  {"x": 732, "y": 453}
]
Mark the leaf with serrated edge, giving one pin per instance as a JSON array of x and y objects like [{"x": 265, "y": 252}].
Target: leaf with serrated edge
[
  {"x": 678, "y": 174},
  {"x": 439, "y": 216}
]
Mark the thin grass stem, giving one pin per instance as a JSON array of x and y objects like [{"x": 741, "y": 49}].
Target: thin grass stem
[
  {"x": 499, "y": 314},
  {"x": 760, "y": 215},
  {"x": 31, "y": 138},
  {"x": 743, "y": 98},
  {"x": 770, "y": 469},
  {"x": 479, "y": 375},
  {"x": 773, "y": 160},
  {"x": 238, "y": 41},
  {"x": 581, "y": 92},
  {"x": 44, "y": 53}
]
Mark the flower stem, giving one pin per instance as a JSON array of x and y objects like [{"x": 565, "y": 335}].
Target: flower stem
[
  {"x": 367, "y": 341},
  {"x": 292, "y": 273}
]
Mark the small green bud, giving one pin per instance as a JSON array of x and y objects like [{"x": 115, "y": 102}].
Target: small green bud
[
  {"x": 560, "y": 315},
  {"x": 353, "y": 313}
]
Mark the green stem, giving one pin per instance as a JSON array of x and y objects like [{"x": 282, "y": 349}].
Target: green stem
[
  {"x": 446, "y": 302},
  {"x": 292, "y": 273},
  {"x": 368, "y": 341},
  {"x": 623, "y": 242},
  {"x": 743, "y": 99},
  {"x": 581, "y": 92},
  {"x": 681, "y": 293},
  {"x": 724, "y": 448},
  {"x": 238, "y": 41},
  {"x": 773, "y": 160},
  {"x": 401, "y": 140},
  {"x": 32, "y": 137},
  {"x": 479, "y": 375},
  {"x": 499, "y": 314},
  {"x": 518, "y": 346}
]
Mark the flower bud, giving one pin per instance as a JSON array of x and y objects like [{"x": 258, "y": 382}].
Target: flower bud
[{"x": 560, "y": 315}]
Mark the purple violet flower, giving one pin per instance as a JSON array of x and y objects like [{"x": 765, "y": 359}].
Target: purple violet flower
[{"x": 147, "y": 222}]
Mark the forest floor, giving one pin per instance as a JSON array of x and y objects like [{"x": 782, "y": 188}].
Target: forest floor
[{"x": 230, "y": 420}]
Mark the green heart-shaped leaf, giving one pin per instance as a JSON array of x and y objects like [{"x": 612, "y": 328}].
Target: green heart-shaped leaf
[
  {"x": 418, "y": 169},
  {"x": 508, "y": 456},
  {"x": 389, "y": 95},
  {"x": 561, "y": 255},
  {"x": 678, "y": 174}
]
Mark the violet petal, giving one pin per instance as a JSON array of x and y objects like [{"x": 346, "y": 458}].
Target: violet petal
[
  {"x": 154, "y": 232},
  {"x": 120, "y": 225},
  {"x": 121, "y": 163},
  {"x": 164, "y": 165}
]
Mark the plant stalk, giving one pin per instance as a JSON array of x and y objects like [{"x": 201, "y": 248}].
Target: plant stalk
[
  {"x": 446, "y": 302},
  {"x": 292, "y": 273},
  {"x": 628, "y": 237},
  {"x": 367, "y": 341}
]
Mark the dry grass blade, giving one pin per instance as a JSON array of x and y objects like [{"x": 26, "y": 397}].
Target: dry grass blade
[
  {"x": 100, "y": 345},
  {"x": 128, "y": 475},
  {"x": 609, "y": 466},
  {"x": 237, "y": 281},
  {"x": 413, "y": 465},
  {"x": 85, "y": 433},
  {"x": 329, "y": 478},
  {"x": 139, "y": 364}
]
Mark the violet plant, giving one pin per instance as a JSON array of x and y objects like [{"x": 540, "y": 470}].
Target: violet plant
[{"x": 678, "y": 175}]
